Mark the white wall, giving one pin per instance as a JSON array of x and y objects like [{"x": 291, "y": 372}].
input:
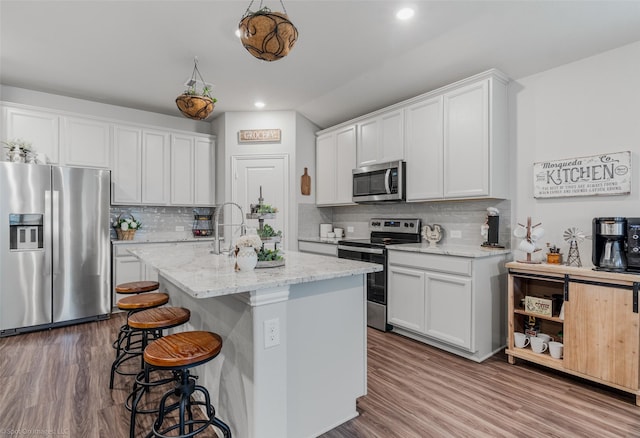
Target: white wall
[
  {"x": 588, "y": 107},
  {"x": 297, "y": 137}
]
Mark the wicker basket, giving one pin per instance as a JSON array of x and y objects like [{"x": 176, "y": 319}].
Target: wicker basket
[
  {"x": 195, "y": 107},
  {"x": 269, "y": 36},
  {"x": 125, "y": 235}
]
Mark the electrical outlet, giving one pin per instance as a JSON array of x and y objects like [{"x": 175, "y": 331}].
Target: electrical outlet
[
  {"x": 179, "y": 227},
  {"x": 271, "y": 333},
  {"x": 455, "y": 234},
  {"x": 349, "y": 229}
]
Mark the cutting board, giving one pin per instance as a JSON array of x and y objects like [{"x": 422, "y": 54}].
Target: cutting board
[{"x": 305, "y": 183}]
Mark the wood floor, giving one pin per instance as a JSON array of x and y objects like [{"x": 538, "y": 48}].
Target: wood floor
[{"x": 55, "y": 383}]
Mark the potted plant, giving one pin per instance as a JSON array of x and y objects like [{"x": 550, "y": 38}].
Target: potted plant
[
  {"x": 193, "y": 104},
  {"x": 196, "y": 105},
  {"x": 17, "y": 150},
  {"x": 267, "y": 35}
]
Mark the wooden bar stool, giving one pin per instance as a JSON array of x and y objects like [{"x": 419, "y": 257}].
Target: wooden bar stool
[
  {"x": 132, "y": 287},
  {"x": 179, "y": 353},
  {"x": 151, "y": 321},
  {"x": 129, "y": 345}
]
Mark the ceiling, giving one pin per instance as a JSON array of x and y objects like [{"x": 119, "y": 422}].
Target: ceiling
[{"x": 352, "y": 57}]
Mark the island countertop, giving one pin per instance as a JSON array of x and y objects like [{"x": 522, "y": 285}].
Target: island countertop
[{"x": 203, "y": 275}]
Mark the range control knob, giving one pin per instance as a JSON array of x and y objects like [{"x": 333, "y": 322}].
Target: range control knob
[
  {"x": 634, "y": 237},
  {"x": 636, "y": 249}
]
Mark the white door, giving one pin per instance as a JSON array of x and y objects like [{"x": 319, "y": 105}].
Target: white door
[
  {"x": 269, "y": 172},
  {"x": 406, "y": 298}
]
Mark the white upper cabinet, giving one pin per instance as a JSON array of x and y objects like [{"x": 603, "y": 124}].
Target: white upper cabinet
[
  {"x": 126, "y": 172},
  {"x": 466, "y": 141},
  {"x": 456, "y": 141},
  {"x": 204, "y": 175},
  {"x": 381, "y": 138},
  {"x": 156, "y": 167},
  {"x": 182, "y": 169},
  {"x": 424, "y": 152},
  {"x": 192, "y": 170},
  {"x": 141, "y": 169},
  {"x": 335, "y": 160},
  {"x": 85, "y": 142},
  {"x": 40, "y": 128}
]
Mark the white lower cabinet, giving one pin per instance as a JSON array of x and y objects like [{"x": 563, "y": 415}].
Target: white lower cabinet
[
  {"x": 406, "y": 303},
  {"x": 127, "y": 268},
  {"x": 454, "y": 303}
]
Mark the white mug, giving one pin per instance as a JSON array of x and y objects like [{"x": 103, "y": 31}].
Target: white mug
[
  {"x": 545, "y": 338},
  {"x": 556, "y": 349},
  {"x": 339, "y": 232},
  {"x": 538, "y": 345},
  {"x": 520, "y": 339}
]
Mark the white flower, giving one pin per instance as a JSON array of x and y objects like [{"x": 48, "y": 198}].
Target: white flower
[
  {"x": 124, "y": 226},
  {"x": 133, "y": 225},
  {"x": 249, "y": 241}
]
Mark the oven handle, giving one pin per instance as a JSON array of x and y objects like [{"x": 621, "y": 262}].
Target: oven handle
[{"x": 359, "y": 249}]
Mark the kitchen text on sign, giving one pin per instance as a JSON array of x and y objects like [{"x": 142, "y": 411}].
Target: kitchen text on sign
[
  {"x": 259, "y": 135},
  {"x": 606, "y": 174}
]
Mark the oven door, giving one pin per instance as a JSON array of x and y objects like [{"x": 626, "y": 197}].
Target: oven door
[{"x": 376, "y": 281}]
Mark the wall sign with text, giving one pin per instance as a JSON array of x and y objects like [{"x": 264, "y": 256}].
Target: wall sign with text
[
  {"x": 605, "y": 174},
  {"x": 259, "y": 136}
]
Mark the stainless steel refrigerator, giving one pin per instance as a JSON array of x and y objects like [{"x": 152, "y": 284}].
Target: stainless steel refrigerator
[{"x": 55, "y": 265}]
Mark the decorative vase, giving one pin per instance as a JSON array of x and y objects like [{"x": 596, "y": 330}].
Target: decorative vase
[
  {"x": 16, "y": 156},
  {"x": 246, "y": 258}
]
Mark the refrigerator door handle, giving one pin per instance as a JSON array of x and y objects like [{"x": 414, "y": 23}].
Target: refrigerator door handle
[
  {"x": 55, "y": 231},
  {"x": 48, "y": 229}
]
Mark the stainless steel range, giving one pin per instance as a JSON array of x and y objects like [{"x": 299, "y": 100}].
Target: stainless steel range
[{"x": 374, "y": 250}]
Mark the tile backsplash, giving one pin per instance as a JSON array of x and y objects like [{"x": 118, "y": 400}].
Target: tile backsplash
[
  {"x": 464, "y": 216},
  {"x": 156, "y": 220}
]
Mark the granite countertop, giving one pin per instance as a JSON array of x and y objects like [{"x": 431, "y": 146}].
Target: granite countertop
[
  {"x": 332, "y": 241},
  {"x": 452, "y": 250},
  {"x": 202, "y": 275}
]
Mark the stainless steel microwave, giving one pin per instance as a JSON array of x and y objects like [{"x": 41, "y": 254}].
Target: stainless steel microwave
[{"x": 379, "y": 183}]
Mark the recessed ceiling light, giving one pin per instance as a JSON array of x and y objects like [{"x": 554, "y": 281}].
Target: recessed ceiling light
[
  {"x": 404, "y": 13},
  {"x": 259, "y": 104}
]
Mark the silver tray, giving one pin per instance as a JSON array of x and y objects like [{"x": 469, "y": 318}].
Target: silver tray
[{"x": 270, "y": 264}]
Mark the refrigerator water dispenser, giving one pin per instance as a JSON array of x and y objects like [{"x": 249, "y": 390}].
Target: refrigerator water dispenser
[{"x": 25, "y": 232}]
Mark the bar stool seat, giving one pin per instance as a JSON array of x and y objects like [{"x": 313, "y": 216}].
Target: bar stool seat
[
  {"x": 137, "y": 287},
  {"x": 128, "y": 344},
  {"x": 143, "y": 301},
  {"x": 179, "y": 352}
]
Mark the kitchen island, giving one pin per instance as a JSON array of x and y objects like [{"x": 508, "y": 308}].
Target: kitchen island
[{"x": 293, "y": 360}]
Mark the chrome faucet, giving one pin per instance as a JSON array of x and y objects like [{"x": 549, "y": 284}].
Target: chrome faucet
[{"x": 216, "y": 225}]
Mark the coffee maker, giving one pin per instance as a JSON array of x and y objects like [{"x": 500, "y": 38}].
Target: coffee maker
[
  {"x": 609, "y": 244},
  {"x": 633, "y": 244}
]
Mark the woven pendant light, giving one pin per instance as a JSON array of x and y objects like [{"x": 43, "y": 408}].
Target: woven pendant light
[
  {"x": 193, "y": 104},
  {"x": 267, "y": 35}
]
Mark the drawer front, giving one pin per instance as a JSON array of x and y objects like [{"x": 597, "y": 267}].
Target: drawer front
[
  {"x": 318, "y": 248},
  {"x": 432, "y": 262}
]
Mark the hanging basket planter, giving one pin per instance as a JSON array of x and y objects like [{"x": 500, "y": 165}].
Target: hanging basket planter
[
  {"x": 195, "y": 107},
  {"x": 192, "y": 103},
  {"x": 267, "y": 35}
]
